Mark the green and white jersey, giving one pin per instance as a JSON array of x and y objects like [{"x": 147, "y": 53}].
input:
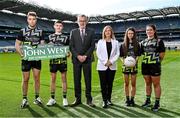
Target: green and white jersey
[{"x": 150, "y": 49}]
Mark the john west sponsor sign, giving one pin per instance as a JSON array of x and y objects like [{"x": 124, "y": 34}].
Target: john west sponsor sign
[{"x": 46, "y": 51}]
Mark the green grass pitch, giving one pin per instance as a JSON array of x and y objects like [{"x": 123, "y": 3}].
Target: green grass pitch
[{"x": 10, "y": 92}]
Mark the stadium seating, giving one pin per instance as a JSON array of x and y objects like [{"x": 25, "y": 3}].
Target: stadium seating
[
  {"x": 168, "y": 27},
  {"x": 7, "y": 43}
]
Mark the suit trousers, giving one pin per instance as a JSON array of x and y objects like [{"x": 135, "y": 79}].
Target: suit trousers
[
  {"x": 77, "y": 71},
  {"x": 106, "y": 81}
]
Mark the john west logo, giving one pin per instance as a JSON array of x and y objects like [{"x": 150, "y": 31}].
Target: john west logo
[{"x": 46, "y": 51}]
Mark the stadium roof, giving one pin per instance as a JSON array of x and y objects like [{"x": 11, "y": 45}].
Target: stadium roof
[
  {"x": 20, "y": 7},
  {"x": 17, "y": 6},
  {"x": 138, "y": 15}
]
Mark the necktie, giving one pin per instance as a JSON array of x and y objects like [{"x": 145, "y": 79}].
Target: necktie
[{"x": 82, "y": 35}]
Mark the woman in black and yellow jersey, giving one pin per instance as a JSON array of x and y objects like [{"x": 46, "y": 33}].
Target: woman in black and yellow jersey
[
  {"x": 153, "y": 51},
  {"x": 130, "y": 47}
]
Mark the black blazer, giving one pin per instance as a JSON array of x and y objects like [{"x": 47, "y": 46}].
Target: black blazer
[{"x": 77, "y": 47}]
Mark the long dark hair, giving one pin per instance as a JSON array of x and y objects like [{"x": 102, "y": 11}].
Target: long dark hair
[
  {"x": 126, "y": 41},
  {"x": 154, "y": 28}
]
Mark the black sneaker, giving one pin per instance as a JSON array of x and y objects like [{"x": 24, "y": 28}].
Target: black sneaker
[
  {"x": 147, "y": 103},
  {"x": 132, "y": 103},
  {"x": 127, "y": 103},
  {"x": 155, "y": 108}
]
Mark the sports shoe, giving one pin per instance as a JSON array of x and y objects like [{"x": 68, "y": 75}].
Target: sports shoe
[
  {"x": 38, "y": 101},
  {"x": 51, "y": 102},
  {"x": 65, "y": 102},
  {"x": 127, "y": 103},
  {"x": 147, "y": 103},
  {"x": 132, "y": 103},
  {"x": 155, "y": 108},
  {"x": 24, "y": 103}
]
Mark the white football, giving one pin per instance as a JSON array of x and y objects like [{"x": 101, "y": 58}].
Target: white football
[{"x": 129, "y": 61}]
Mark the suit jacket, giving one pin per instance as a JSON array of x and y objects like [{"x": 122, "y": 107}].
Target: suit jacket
[
  {"x": 79, "y": 47},
  {"x": 103, "y": 55}
]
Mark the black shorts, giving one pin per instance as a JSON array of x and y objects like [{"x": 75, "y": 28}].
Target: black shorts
[
  {"x": 133, "y": 70},
  {"x": 58, "y": 67},
  {"x": 28, "y": 65},
  {"x": 151, "y": 69}
]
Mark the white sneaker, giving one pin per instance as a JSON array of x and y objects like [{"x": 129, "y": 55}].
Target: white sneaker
[
  {"x": 51, "y": 102},
  {"x": 38, "y": 101},
  {"x": 24, "y": 103},
  {"x": 65, "y": 102}
]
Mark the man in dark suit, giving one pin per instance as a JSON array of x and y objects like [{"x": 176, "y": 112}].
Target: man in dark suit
[{"x": 82, "y": 45}]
